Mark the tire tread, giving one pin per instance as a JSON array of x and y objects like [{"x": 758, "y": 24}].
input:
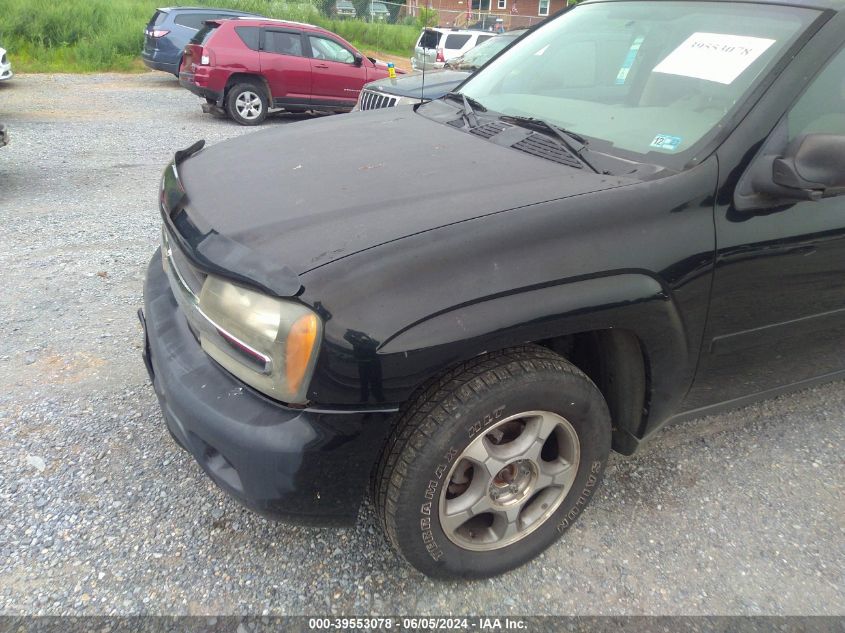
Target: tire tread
[{"x": 433, "y": 405}]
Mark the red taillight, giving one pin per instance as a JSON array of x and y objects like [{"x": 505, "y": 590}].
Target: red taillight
[
  {"x": 202, "y": 56},
  {"x": 440, "y": 57},
  {"x": 196, "y": 56},
  {"x": 158, "y": 33}
]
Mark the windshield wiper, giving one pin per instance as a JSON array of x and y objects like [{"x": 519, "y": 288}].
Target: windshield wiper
[
  {"x": 468, "y": 103},
  {"x": 467, "y": 100},
  {"x": 573, "y": 141}
]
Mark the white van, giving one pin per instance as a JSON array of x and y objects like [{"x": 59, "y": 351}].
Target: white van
[{"x": 436, "y": 46}]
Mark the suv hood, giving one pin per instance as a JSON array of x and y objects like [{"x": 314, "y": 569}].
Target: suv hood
[
  {"x": 437, "y": 84},
  {"x": 305, "y": 194}
]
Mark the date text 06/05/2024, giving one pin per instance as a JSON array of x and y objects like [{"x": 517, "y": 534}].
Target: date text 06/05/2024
[{"x": 418, "y": 623}]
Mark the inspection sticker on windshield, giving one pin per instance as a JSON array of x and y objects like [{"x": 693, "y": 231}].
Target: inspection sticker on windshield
[
  {"x": 629, "y": 61},
  {"x": 714, "y": 56},
  {"x": 667, "y": 142}
]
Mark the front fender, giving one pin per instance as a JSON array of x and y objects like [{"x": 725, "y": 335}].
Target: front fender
[{"x": 633, "y": 301}]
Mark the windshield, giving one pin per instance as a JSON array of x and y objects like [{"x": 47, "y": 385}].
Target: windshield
[
  {"x": 640, "y": 77},
  {"x": 484, "y": 52}
]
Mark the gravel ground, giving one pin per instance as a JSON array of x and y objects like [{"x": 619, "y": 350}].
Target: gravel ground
[{"x": 100, "y": 513}]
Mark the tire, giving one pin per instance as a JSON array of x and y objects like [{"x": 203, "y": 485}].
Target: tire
[
  {"x": 450, "y": 442},
  {"x": 246, "y": 104}
]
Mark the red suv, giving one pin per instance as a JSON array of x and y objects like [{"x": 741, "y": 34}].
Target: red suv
[{"x": 246, "y": 66}]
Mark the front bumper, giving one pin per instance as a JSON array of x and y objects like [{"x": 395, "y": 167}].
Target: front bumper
[
  {"x": 6, "y": 72},
  {"x": 300, "y": 465}
]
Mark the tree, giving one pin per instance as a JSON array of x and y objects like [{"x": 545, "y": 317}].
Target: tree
[
  {"x": 428, "y": 17},
  {"x": 326, "y": 7}
]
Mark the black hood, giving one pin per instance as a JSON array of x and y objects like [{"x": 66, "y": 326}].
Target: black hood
[
  {"x": 305, "y": 194},
  {"x": 437, "y": 83}
]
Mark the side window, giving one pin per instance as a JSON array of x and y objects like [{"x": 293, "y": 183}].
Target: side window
[
  {"x": 456, "y": 41},
  {"x": 821, "y": 109},
  {"x": 324, "y": 48},
  {"x": 248, "y": 35},
  {"x": 283, "y": 42},
  {"x": 482, "y": 38},
  {"x": 192, "y": 20}
]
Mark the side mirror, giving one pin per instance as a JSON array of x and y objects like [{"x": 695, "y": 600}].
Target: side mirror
[
  {"x": 813, "y": 167},
  {"x": 358, "y": 59}
]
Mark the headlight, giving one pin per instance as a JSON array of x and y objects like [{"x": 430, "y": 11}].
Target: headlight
[{"x": 269, "y": 343}]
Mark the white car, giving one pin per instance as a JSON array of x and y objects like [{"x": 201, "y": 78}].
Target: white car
[
  {"x": 436, "y": 46},
  {"x": 5, "y": 66}
]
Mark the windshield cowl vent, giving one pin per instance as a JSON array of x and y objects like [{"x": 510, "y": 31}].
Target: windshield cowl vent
[
  {"x": 544, "y": 147},
  {"x": 489, "y": 130}
]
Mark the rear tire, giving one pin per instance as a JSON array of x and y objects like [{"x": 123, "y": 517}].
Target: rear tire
[
  {"x": 490, "y": 464},
  {"x": 246, "y": 104}
]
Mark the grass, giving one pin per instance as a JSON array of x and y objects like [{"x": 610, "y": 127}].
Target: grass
[{"x": 108, "y": 35}]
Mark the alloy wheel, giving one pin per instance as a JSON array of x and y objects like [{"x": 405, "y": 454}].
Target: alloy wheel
[
  {"x": 509, "y": 480},
  {"x": 248, "y": 104}
]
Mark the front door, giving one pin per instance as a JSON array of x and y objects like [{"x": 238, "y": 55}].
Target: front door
[
  {"x": 777, "y": 313},
  {"x": 336, "y": 79}
]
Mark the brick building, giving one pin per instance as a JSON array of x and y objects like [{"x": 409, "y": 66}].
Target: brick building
[{"x": 514, "y": 14}]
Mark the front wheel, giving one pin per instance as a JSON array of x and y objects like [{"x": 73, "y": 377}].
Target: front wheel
[
  {"x": 246, "y": 104},
  {"x": 492, "y": 463}
]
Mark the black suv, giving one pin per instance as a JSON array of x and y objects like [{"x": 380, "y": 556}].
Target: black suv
[{"x": 599, "y": 248}]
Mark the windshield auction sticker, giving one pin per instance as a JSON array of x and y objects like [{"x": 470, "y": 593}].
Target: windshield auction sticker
[{"x": 714, "y": 56}]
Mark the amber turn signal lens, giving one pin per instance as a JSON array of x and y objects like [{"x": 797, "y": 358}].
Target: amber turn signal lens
[{"x": 300, "y": 346}]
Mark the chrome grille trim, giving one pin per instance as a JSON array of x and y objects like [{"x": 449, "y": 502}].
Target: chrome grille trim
[
  {"x": 373, "y": 100},
  {"x": 191, "y": 276},
  {"x": 189, "y": 302},
  {"x": 178, "y": 283}
]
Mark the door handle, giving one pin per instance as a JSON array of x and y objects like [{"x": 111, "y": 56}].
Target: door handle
[{"x": 321, "y": 66}]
